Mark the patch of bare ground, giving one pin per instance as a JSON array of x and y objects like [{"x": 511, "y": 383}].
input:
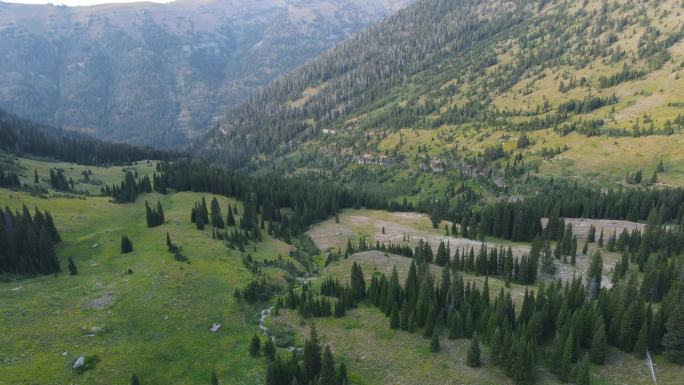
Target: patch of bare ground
[
  {"x": 580, "y": 226},
  {"x": 375, "y": 354}
]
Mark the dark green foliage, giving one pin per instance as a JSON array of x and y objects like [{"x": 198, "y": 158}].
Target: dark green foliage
[
  {"x": 642, "y": 341},
  {"x": 214, "y": 379},
  {"x": 216, "y": 218},
  {"x": 129, "y": 189},
  {"x": 673, "y": 341},
  {"x": 255, "y": 346},
  {"x": 599, "y": 343},
  {"x": 473, "y": 356},
  {"x": 72, "y": 267},
  {"x": 394, "y": 317},
  {"x": 312, "y": 354},
  {"x": 154, "y": 216},
  {"x": 434, "y": 341},
  {"x": 230, "y": 219},
  {"x": 327, "y": 375},
  {"x": 126, "y": 244},
  {"x": 270, "y": 349},
  {"x": 27, "y": 242},
  {"x": 582, "y": 376},
  {"x": 58, "y": 180},
  {"x": 134, "y": 380},
  {"x": 10, "y": 179},
  {"x": 358, "y": 283},
  {"x": 22, "y": 136}
]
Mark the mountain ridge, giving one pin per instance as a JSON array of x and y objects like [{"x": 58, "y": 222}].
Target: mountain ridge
[{"x": 160, "y": 73}]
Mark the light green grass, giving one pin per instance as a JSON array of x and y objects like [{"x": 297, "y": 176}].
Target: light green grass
[{"x": 158, "y": 320}]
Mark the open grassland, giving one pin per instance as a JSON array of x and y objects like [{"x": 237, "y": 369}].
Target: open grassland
[
  {"x": 98, "y": 176},
  {"x": 154, "y": 321}
]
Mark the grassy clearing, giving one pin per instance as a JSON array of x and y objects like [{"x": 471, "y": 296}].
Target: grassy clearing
[
  {"x": 100, "y": 177},
  {"x": 155, "y": 321}
]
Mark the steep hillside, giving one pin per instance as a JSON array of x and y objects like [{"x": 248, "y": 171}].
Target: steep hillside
[
  {"x": 455, "y": 84},
  {"x": 160, "y": 73}
]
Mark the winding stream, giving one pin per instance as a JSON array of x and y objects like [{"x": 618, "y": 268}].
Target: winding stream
[{"x": 265, "y": 313}]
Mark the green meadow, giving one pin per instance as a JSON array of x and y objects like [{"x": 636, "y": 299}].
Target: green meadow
[{"x": 154, "y": 321}]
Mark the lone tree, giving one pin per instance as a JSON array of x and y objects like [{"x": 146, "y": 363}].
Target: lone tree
[
  {"x": 434, "y": 342},
  {"x": 214, "y": 379},
  {"x": 473, "y": 359},
  {"x": 134, "y": 380},
  {"x": 255, "y": 346},
  {"x": 126, "y": 245},
  {"x": 72, "y": 267}
]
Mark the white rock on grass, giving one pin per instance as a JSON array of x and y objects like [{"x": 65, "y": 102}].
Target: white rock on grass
[
  {"x": 79, "y": 362},
  {"x": 215, "y": 328}
]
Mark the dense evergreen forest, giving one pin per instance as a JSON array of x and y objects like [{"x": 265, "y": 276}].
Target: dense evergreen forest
[
  {"x": 27, "y": 242},
  {"x": 23, "y": 137}
]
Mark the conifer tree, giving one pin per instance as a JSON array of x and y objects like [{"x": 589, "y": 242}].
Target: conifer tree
[
  {"x": 255, "y": 346},
  {"x": 328, "y": 375},
  {"x": 36, "y": 179},
  {"x": 594, "y": 274},
  {"x": 394, "y": 318},
  {"x": 216, "y": 218},
  {"x": 673, "y": 341},
  {"x": 642, "y": 342},
  {"x": 230, "y": 218},
  {"x": 599, "y": 342},
  {"x": 434, "y": 342},
  {"x": 134, "y": 380},
  {"x": 473, "y": 358},
  {"x": 270, "y": 349},
  {"x": 72, "y": 267},
  {"x": 342, "y": 375},
  {"x": 126, "y": 244},
  {"x": 214, "y": 379},
  {"x": 582, "y": 375},
  {"x": 312, "y": 354},
  {"x": 495, "y": 351}
]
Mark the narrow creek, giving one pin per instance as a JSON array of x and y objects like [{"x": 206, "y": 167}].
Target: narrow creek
[{"x": 265, "y": 313}]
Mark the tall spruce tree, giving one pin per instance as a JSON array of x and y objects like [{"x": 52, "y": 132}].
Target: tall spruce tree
[
  {"x": 327, "y": 375},
  {"x": 312, "y": 354},
  {"x": 434, "y": 341},
  {"x": 673, "y": 341},
  {"x": 599, "y": 343},
  {"x": 255, "y": 346},
  {"x": 473, "y": 356}
]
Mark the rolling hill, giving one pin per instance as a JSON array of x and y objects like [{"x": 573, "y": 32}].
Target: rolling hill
[
  {"x": 452, "y": 85},
  {"x": 160, "y": 73}
]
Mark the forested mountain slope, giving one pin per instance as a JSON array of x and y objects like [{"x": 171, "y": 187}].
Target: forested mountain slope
[
  {"x": 445, "y": 84},
  {"x": 160, "y": 73}
]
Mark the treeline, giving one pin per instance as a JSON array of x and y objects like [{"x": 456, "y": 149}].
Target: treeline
[
  {"x": 129, "y": 189},
  {"x": 9, "y": 179},
  {"x": 521, "y": 220},
  {"x": 27, "y": 242},
  {"x": 572, "y": 323},
  {"x": 315, "y": 366},
  {"x": 310, "y": 199},
  {"x": 20, "y": 136}
]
